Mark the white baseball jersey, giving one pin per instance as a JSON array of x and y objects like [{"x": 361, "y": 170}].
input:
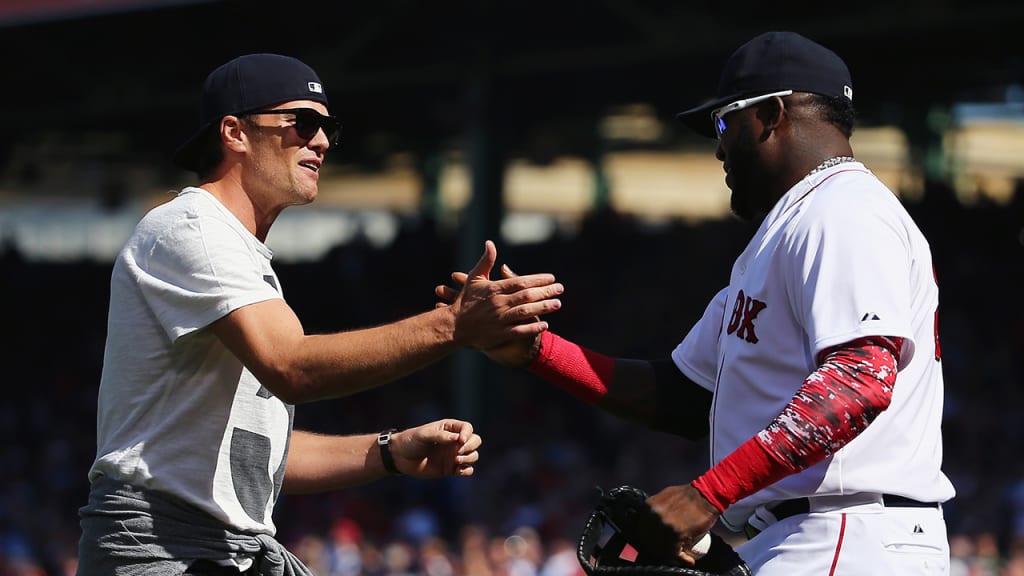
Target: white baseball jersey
[
  {"x": 178, "y": 413},
  {"x": 836, "y": 259}
]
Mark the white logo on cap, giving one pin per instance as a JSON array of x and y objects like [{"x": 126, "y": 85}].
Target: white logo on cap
[
  {"x": 316, "y": 87},
  {"x": 848, "y": 92}
]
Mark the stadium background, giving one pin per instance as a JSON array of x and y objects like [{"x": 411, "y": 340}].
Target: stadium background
[{"x": 548, "y": 127}]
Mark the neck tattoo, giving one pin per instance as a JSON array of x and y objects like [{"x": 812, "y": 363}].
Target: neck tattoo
[{"x": 833, "y": 161}]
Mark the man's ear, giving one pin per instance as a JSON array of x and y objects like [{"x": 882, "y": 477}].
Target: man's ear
[
  {"x": 231, "y": 134},
  {"x": 771, "y": 114}
]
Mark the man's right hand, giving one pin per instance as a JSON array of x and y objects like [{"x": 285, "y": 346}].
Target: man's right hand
[
  {"x": 517, "y": 351},
  {"x": 489, "y": 312},
  {"x": 685, "y": 510}
]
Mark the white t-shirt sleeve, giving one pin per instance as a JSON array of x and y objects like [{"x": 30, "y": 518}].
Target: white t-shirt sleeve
[
  {"x": 697, "y": 355},
  {"x": 850, "y": 276},
  {"x": 199, "y": 271}
]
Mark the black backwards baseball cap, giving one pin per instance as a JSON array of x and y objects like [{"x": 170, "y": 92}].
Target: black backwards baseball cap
[
  {"x": 772, "y": 62},
  {"x": 246, "y": 84}
]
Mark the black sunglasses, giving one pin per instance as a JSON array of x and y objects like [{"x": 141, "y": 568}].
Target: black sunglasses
[{"x": 308, "y": 122}]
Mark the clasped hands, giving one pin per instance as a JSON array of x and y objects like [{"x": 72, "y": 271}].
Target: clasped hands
[{"x": 518, "y": 302}]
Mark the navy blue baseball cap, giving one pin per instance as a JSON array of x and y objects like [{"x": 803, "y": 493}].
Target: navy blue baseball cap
[
  {"x": 772, "y": 62},
  {"x": 246, "y": 84}
]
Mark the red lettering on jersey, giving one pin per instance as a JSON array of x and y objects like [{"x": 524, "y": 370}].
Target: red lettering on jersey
[
  {"x": 737, "y": 314},
  {"x": 746, "y": 330},
  {"x": 742, "y": 320}
]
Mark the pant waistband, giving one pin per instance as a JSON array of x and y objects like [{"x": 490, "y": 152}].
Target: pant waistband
[{"x": 788, "y": 508}]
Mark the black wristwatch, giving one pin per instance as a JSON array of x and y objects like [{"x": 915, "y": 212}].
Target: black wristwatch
[{"x": 384, "y": 442}]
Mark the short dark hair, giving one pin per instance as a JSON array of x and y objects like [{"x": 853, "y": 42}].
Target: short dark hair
[{"x": 836, "y": 110}]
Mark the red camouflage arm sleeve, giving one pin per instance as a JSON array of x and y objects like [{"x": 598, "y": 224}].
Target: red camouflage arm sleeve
[{"x": 835, "y": 404}]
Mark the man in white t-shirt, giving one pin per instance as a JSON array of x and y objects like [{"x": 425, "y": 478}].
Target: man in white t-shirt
[
  {"x": 205, "y": 360},
  {"x": 816, "y": 372}
]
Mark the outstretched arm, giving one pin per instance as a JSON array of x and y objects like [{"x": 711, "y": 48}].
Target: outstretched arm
[
  {"x": 318, "y": 463},
  {"x": 655, "y": 393},
  {"x": 270, "y": 341}
]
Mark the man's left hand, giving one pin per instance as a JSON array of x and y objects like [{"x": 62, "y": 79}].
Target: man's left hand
[{"x": 443, "y": 448}]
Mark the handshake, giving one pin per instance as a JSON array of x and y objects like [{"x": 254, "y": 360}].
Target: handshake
[{"x": 525, "y": 299}]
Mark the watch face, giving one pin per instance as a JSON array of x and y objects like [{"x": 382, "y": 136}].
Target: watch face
[{"x": 384, "y": 437}]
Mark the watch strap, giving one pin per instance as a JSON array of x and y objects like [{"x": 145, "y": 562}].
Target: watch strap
[{"x": 384, "y": 443}]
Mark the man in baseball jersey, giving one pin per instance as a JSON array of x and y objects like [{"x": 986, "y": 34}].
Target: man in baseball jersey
[
  {"x": 817, "y": 371},
  {"x": 204, "y": 360}
]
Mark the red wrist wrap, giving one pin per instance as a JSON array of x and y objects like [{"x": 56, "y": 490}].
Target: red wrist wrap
[
  {"x": 748, "y": 469},
  {"x": 581, "y": 372}
]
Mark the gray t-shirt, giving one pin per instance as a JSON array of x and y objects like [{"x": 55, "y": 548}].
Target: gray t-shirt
[{"x": 178, "y": 413}]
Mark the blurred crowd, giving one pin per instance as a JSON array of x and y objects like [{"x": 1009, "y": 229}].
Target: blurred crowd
[{"x": 632, "y": 289}]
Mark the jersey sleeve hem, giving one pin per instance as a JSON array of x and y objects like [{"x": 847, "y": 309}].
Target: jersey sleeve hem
[
  {"x": 906, "y": 352},
  {"x": 692, "y": 373}
]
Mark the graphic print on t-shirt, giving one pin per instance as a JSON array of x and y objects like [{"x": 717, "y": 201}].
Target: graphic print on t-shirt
[{"x": 257, "y": 446}]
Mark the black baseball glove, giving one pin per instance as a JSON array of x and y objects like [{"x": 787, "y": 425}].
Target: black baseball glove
[{"x": 623, "y": 519}]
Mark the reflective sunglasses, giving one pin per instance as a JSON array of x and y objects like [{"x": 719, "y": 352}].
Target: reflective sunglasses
[
  {"x": 718, "y": 114},
  {"x": 308, "y": 122}
]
